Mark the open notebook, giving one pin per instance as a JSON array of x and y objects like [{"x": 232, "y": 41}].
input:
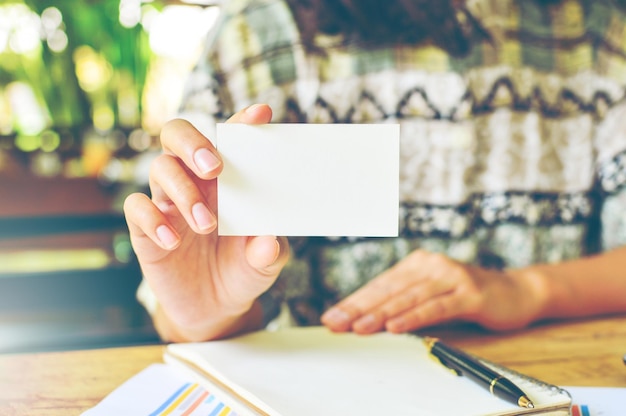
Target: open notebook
[{"x": 312, "y": 371}]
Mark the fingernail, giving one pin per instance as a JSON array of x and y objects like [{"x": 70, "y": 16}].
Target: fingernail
[
  {"x": 336, "y": 316},
  {"x": 277, "y": 252},
  {"x": 205, "y": 160},
  {"x": 202, "y": 216},
  {"x": 166, "y": 236},
  {"x": 253, "y": 108}
]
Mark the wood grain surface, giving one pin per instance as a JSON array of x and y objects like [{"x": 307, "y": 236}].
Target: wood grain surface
[{"x": 576, "y": 353}]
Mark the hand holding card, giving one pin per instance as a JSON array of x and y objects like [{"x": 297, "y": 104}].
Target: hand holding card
[{"x": 198, "y": 286}]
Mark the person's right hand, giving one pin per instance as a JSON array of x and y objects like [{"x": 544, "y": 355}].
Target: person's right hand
[{"x": 205, "y": 284}]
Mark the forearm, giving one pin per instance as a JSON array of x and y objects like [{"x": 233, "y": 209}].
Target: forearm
[
  {"x": 587, "y": 286},
  {"x": 170, "y": 331}
]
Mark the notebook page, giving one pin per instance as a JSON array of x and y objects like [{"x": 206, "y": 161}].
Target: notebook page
[{"x": 311, "y": 371}]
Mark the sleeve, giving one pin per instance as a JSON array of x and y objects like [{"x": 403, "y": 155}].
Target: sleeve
[
  {"x": 611, "y": 172},
  {"x": 201, "y": 104},
  {"x": 206, "y": 96},
  {"x": 607, "y": 23}
]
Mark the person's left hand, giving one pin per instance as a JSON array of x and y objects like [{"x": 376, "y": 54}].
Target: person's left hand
[{"x": 426, "y": 289}]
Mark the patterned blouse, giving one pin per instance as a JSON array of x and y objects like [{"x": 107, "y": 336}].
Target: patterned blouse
[{"x": 512, "y": 155}]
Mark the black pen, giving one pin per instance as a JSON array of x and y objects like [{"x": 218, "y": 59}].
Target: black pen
[{"x": 463, "y": 364}]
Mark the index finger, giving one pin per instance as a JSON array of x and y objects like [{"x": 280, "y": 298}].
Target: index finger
[
  {"x": 181, "y": 139},
  {"x": 342, "y": 316}
]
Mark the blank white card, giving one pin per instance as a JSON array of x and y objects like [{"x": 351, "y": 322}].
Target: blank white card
[{"x": 308, "y": 179}]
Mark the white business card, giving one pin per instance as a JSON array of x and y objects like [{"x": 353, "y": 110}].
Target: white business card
[{"x": 308, "y": 179}]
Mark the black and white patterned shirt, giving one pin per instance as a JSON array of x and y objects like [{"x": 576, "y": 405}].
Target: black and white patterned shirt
[{"x": 510, "y": 156}]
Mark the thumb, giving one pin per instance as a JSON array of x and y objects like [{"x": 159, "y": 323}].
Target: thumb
[
  {"x": 255, "y": 114},
  {"x": 267, "y": 254}
]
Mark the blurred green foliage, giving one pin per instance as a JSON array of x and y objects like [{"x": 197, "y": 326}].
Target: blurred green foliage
[{"x": 53, "y": 74}]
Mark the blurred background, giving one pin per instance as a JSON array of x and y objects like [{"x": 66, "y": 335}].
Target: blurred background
[{"x": 85, "y": 86}]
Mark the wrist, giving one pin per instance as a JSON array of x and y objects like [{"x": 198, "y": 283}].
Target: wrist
[{"x": 535, "y": 289}]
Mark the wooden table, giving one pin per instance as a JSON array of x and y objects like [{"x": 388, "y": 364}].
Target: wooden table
[{"x": 576, "y": 353}]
